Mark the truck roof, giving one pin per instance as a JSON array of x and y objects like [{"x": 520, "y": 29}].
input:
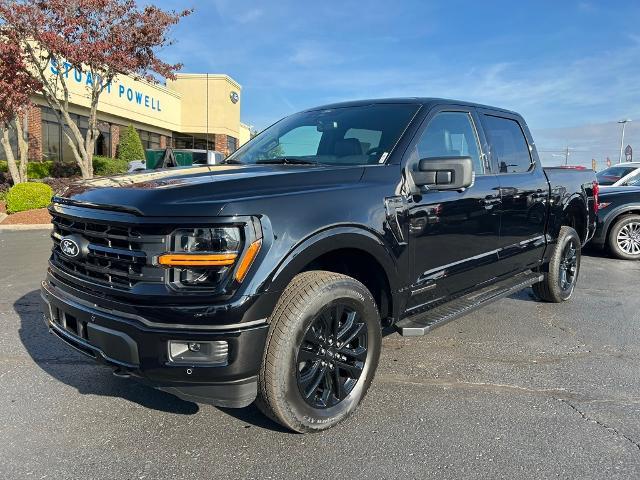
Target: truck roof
[{"x": 410, "y": 100}]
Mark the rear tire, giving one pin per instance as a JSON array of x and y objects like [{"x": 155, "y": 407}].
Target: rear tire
[
  {"x": 624, "y": 238},
  {"x": 560, "y": 281},
  {"x": 322, "y": 351}
]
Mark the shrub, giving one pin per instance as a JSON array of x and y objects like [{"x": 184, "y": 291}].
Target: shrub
[
  {"x": 39, "y": 169},
  {"x": 65, "y": 169},
  {"x": 27, "y": 196},
  {"x": 4, "y": 188},
  {"x": 105, "y": 166},
  {"x": 130, "y": 147},
  {"x": 34, "y": 169}
]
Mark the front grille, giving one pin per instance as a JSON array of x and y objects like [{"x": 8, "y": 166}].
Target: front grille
[{"x": 118, "y": 257}]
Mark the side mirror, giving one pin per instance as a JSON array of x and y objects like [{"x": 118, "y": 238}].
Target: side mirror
[{"x": 444, "y": 173}]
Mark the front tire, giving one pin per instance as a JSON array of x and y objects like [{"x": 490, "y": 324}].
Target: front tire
[
  {"x": 560, "y": 281},
  {"x": 624, "y": 238},
  {"x": 322, "y": 351}
]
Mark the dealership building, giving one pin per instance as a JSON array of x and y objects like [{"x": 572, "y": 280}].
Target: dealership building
[{"x": 192, "y": 111}]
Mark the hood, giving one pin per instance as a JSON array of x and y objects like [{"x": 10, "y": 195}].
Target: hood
[{"x": 203, "y": 191}]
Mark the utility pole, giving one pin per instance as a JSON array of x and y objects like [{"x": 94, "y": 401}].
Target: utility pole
[
  {"x": 566, "y": 156},
  {"x": 624, "y": 124}
]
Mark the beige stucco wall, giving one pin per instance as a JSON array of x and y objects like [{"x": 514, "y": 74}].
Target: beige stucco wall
[
  {"x": 180, "y": 106},
  {"x": 139, "y": 101},
  {"x": 245, "y": 134},
  {"x": 194, "y": 90}
]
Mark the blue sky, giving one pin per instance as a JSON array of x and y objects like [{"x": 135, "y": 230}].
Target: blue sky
[{"x": 570, "y": 67}]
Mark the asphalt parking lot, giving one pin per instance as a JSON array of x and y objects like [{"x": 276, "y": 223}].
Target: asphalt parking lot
[{"x": 520, "y": 389}]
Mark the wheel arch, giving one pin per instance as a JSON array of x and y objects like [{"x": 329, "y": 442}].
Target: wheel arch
[
  {"x": 574, "y": 214},
  {"x": 349, "y": 250}
]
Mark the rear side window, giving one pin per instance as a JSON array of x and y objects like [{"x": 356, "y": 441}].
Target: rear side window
[{"x": 508, "y": 144}]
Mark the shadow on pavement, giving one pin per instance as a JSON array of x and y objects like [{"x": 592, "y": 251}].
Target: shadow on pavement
[
  {"x": 74, "y": 369},
  {"x": 90, "y": 378}
]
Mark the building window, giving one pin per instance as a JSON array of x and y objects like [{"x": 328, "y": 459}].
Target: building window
[
  {"x": 232, "y": 144},
  {"x": 149, "y": 139},
  {"x": 55, "y": 145},
  {"x": 51, "y": 140}
]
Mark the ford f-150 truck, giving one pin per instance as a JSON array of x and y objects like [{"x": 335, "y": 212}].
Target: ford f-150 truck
[{"x": 269, "y": 278}]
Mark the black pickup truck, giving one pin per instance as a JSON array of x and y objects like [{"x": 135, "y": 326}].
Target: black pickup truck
[{"x": 269, "y": 278}]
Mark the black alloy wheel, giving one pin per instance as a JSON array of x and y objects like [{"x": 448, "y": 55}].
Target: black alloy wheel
[
  {"x": 332, "y": 355},
  {"x": 560, "y": 277},
  {"x": 321, "y": 353},
  {"x": 569, "y": 266}
]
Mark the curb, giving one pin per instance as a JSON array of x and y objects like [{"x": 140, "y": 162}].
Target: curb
[{"x": 18, "y": 227}]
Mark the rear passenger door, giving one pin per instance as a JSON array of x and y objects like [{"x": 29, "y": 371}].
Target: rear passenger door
[{"x": 524, "y": 190}]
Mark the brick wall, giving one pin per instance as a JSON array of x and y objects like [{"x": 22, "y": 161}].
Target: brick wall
[
  {"x": 34, "y": 124},
  {"x": 221, "y": 144},
  {"x": 164, "y": 141}
]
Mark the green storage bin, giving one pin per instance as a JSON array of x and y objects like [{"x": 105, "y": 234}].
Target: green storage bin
[
  {"x": 183, "y": 158},
  {"x": 154, "y": 158}
]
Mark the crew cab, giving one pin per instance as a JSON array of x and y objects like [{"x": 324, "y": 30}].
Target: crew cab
[{"x": 270, "y": 277}]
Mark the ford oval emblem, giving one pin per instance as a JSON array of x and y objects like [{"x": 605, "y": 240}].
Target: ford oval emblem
[{"x": 69, "y": 247}]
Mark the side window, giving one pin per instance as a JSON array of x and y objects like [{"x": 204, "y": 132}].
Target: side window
[
  {"x": 508, "y": 144},
  {"x": 451, "y": 134}
]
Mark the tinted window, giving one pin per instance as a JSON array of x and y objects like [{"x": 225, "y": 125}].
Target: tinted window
[
  {"x": 450, "y": 134},
  {"x": 299, "y": 142},
  {"x": 369, "y": 139},
  {"x": 508, "y": 144},
  {"x": 611, "y": 175},
  {"x": 357, "y": 135}
]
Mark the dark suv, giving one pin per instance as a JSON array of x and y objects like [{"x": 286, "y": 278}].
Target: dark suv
[{"x": 271, "y": 276}]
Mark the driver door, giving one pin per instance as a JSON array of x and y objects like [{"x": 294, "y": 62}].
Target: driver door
[{"x": 453, "y": 235}]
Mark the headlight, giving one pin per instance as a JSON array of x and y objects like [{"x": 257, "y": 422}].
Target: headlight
[{"x": 203, "y": 258}]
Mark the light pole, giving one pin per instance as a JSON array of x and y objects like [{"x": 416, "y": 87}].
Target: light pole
[{"x": 624, "y": 124}]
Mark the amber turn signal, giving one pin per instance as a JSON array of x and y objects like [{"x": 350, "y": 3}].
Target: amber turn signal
[
  {"x": 247, "y": 260},
  {"x": 197, "y": 260}
]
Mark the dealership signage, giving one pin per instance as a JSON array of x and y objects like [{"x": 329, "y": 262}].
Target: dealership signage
[{"x": 123, "y": 91}]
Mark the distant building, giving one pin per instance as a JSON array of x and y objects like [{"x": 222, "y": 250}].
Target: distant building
[{"x": 192, "y": 111}]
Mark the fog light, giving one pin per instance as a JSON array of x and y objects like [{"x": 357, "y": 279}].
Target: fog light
[{"x": 202, "y": 353}]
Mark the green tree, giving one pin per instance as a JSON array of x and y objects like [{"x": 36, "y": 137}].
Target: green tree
[{"x": 130, "y": 147}]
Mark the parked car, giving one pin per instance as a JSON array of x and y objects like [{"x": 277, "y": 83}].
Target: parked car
[
  {"x": 175, "y": 157},
  {"x": 619, "y": 175},
  {"x": 618, "y": 227},
  {"x": 270, "y": 277}
]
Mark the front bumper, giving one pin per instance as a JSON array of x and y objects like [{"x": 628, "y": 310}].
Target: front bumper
[{"x": 140, "y": 351}]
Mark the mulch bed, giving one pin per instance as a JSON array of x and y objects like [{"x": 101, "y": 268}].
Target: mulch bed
[{"x": 30, "y": 217}]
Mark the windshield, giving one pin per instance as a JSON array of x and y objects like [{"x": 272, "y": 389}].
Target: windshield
[
  {"x": 612, "y": 174},
  {"x": 362, "y": 135}
]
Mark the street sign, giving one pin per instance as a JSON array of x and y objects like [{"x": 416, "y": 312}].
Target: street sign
[{"x": 628, "y": 153}]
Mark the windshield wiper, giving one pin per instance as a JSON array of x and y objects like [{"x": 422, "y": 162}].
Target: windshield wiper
[
  {"x": 286, "y": 161},
  {"x": 232, "y": 161}
]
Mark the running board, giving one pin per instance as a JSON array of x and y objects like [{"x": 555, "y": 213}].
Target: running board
[{"x": 424, "y": 322}]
